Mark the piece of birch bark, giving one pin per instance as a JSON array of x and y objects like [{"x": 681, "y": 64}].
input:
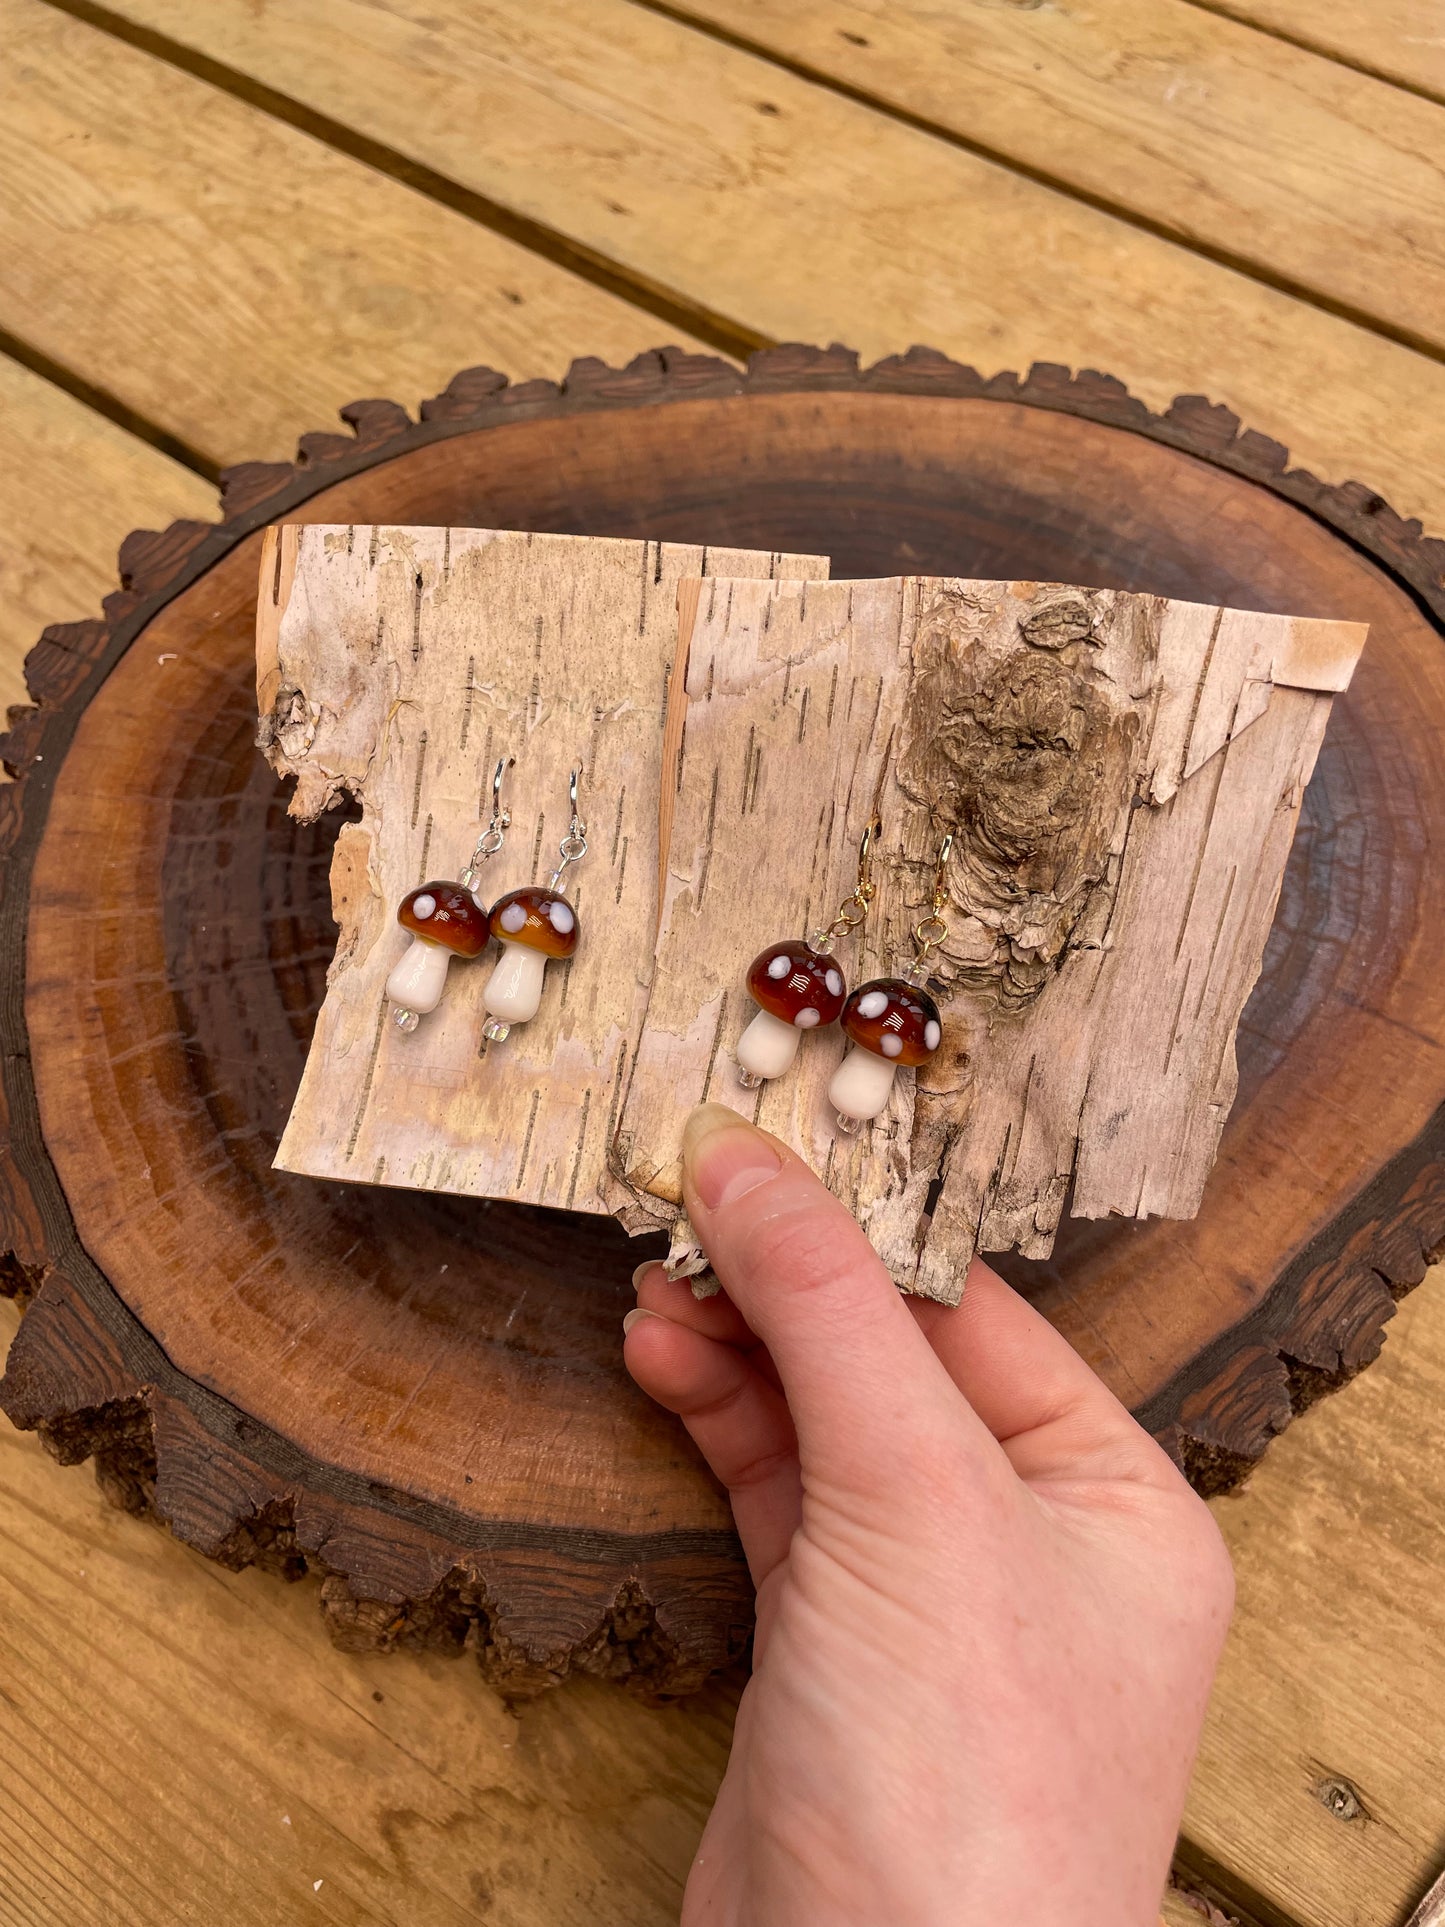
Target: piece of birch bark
[
  {"x": 1122, "y": 775},
  {"x": 396, "y": 666}
]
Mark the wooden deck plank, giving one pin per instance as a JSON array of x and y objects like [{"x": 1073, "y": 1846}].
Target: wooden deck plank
[
  {"x": 221, "y": 1707},
  {"x": 182, "y": 1744},
  {"x": 1316, "y": 178},
  {"x": 1333, "y": 1555},
  {"x": 760, "y": 196},
  {"x": 232, "y": 279},
  {"x": 1318, "y": 1782},
  {"x": 72, "y": 486},
  {"x": 1402, "y": 39}
]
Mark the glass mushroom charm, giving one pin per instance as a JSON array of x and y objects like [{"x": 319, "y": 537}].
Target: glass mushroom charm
[
  {"x": 531, "y": 924},
  {"x": 446, "y": 920},
  {"x": 891, "y": 1022},
  {"x": 797, "y": 986}
]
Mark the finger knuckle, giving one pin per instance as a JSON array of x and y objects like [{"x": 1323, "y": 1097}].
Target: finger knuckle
[{"x": 805, "y": 1255}]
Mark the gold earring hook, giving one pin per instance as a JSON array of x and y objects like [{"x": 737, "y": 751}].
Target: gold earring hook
[
  {"x": 854, "y": 908},
  {"x": 932, "y": 931},
  {"x": 866, "y": 888}
]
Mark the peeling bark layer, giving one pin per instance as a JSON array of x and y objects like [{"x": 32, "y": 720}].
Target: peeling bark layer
[{"x": 1121, "y": 776}]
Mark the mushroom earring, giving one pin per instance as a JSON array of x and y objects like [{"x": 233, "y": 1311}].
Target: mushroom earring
[
  {"x": 797, "y": 986},
  {"x": 532, "y": 924},
  {"x": 446, "y": 920},
  {"x": 891, "y": 1021}
]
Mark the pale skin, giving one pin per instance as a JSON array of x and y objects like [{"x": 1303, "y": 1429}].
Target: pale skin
[{"x": 989, "y": 1606}]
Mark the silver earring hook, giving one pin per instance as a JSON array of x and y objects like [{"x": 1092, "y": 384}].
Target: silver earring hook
[
  {"x": 491, "y": 838},
  {"x": 573, "y": 846}
]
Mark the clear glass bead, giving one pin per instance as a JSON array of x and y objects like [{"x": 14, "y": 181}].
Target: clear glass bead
[{"x": 405, "y": 1019}]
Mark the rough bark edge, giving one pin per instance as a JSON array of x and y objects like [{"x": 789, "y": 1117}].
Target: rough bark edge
[
  {"x": 1320, "y": 1323},
  {"x": 658, "y": 1615}
]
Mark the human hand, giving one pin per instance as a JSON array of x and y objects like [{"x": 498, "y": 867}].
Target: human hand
[{"x": 989, "y": 1606}]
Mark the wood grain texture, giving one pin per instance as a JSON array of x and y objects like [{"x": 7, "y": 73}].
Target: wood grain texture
[
  {"x": 425, "y": 1399},
  {"x": 154, "y": 1783},
  {"x": 1184, "y": 1908},
  {"x": 1400, "y": 39},
  {"x": 405, "y": 664},
  {"x": 416, "y": 1805},
  {"x": 186, "y": 1745},
  {"x": 1317, "y": 1784},
  {"x": 263, "y": 251},
  {"x": 57, "y": 542},
  {"x": 752, "y": 194},
  {"x": 1121, "y": 776},
  {"x": 1270, "y": 157}
]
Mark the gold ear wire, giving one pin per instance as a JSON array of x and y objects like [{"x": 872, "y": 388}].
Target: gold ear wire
[
  {"x": 871, "y": 834},
  {"x": 932, "y": 931},
  {"x": 854, "y": 908}
]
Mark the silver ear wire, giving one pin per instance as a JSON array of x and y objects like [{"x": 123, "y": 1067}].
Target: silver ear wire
[
  {"x": 491, "y": 838},
  {"x": 573, "y": 846}
]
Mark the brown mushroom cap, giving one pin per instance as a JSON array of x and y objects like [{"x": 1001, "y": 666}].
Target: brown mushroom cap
[
  {"x": 796, "y": 983},
  {"x": 537, "y": 918},
  {"x": 893, "y": 1019},
  {"x": 448, "y": 914}
]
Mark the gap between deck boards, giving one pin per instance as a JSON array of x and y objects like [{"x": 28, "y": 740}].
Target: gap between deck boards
[{"x": 729, "y": 334}]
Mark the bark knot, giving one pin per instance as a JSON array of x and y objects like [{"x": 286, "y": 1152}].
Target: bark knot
[{"x": 1024, "y": 748}]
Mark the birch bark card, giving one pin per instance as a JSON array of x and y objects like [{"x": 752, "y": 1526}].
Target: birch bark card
[
  {"x": 1121, "y": 776},
  {"x": 397, "y": 666}
]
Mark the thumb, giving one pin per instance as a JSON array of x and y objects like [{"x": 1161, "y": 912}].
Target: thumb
[{"x": 852, "y": 1362}]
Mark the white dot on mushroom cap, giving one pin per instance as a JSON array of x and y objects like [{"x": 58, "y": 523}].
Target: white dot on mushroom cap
[
  {"x": 891, "y": 1046},
  {"x": 779, "y": 968},
  {"x": 931, "y": 1034},
  {"x": 479, "y": 903},
  {"x": 423, "y": 905},
  {"x": 873, "y": 1004},
  {"x": 807, "y": 1017},
  {"x": 514, "y": 917},
  {"x": 560, "y": 916},
  {"x": 834, "y": 983}
]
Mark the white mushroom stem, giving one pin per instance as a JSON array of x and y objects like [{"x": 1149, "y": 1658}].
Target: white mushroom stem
[
  {"x": 419, "y": 979},
  {"x": 861, "y": 1084},
  {"x": 768, "y": 1046},
  {"x": 514, "y": 989}
]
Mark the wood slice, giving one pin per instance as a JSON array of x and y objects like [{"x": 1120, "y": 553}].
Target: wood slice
[{"x": 165, "y": 930}]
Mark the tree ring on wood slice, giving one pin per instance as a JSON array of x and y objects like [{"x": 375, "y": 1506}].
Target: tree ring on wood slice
[{"x": 423, "y": 1396}]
